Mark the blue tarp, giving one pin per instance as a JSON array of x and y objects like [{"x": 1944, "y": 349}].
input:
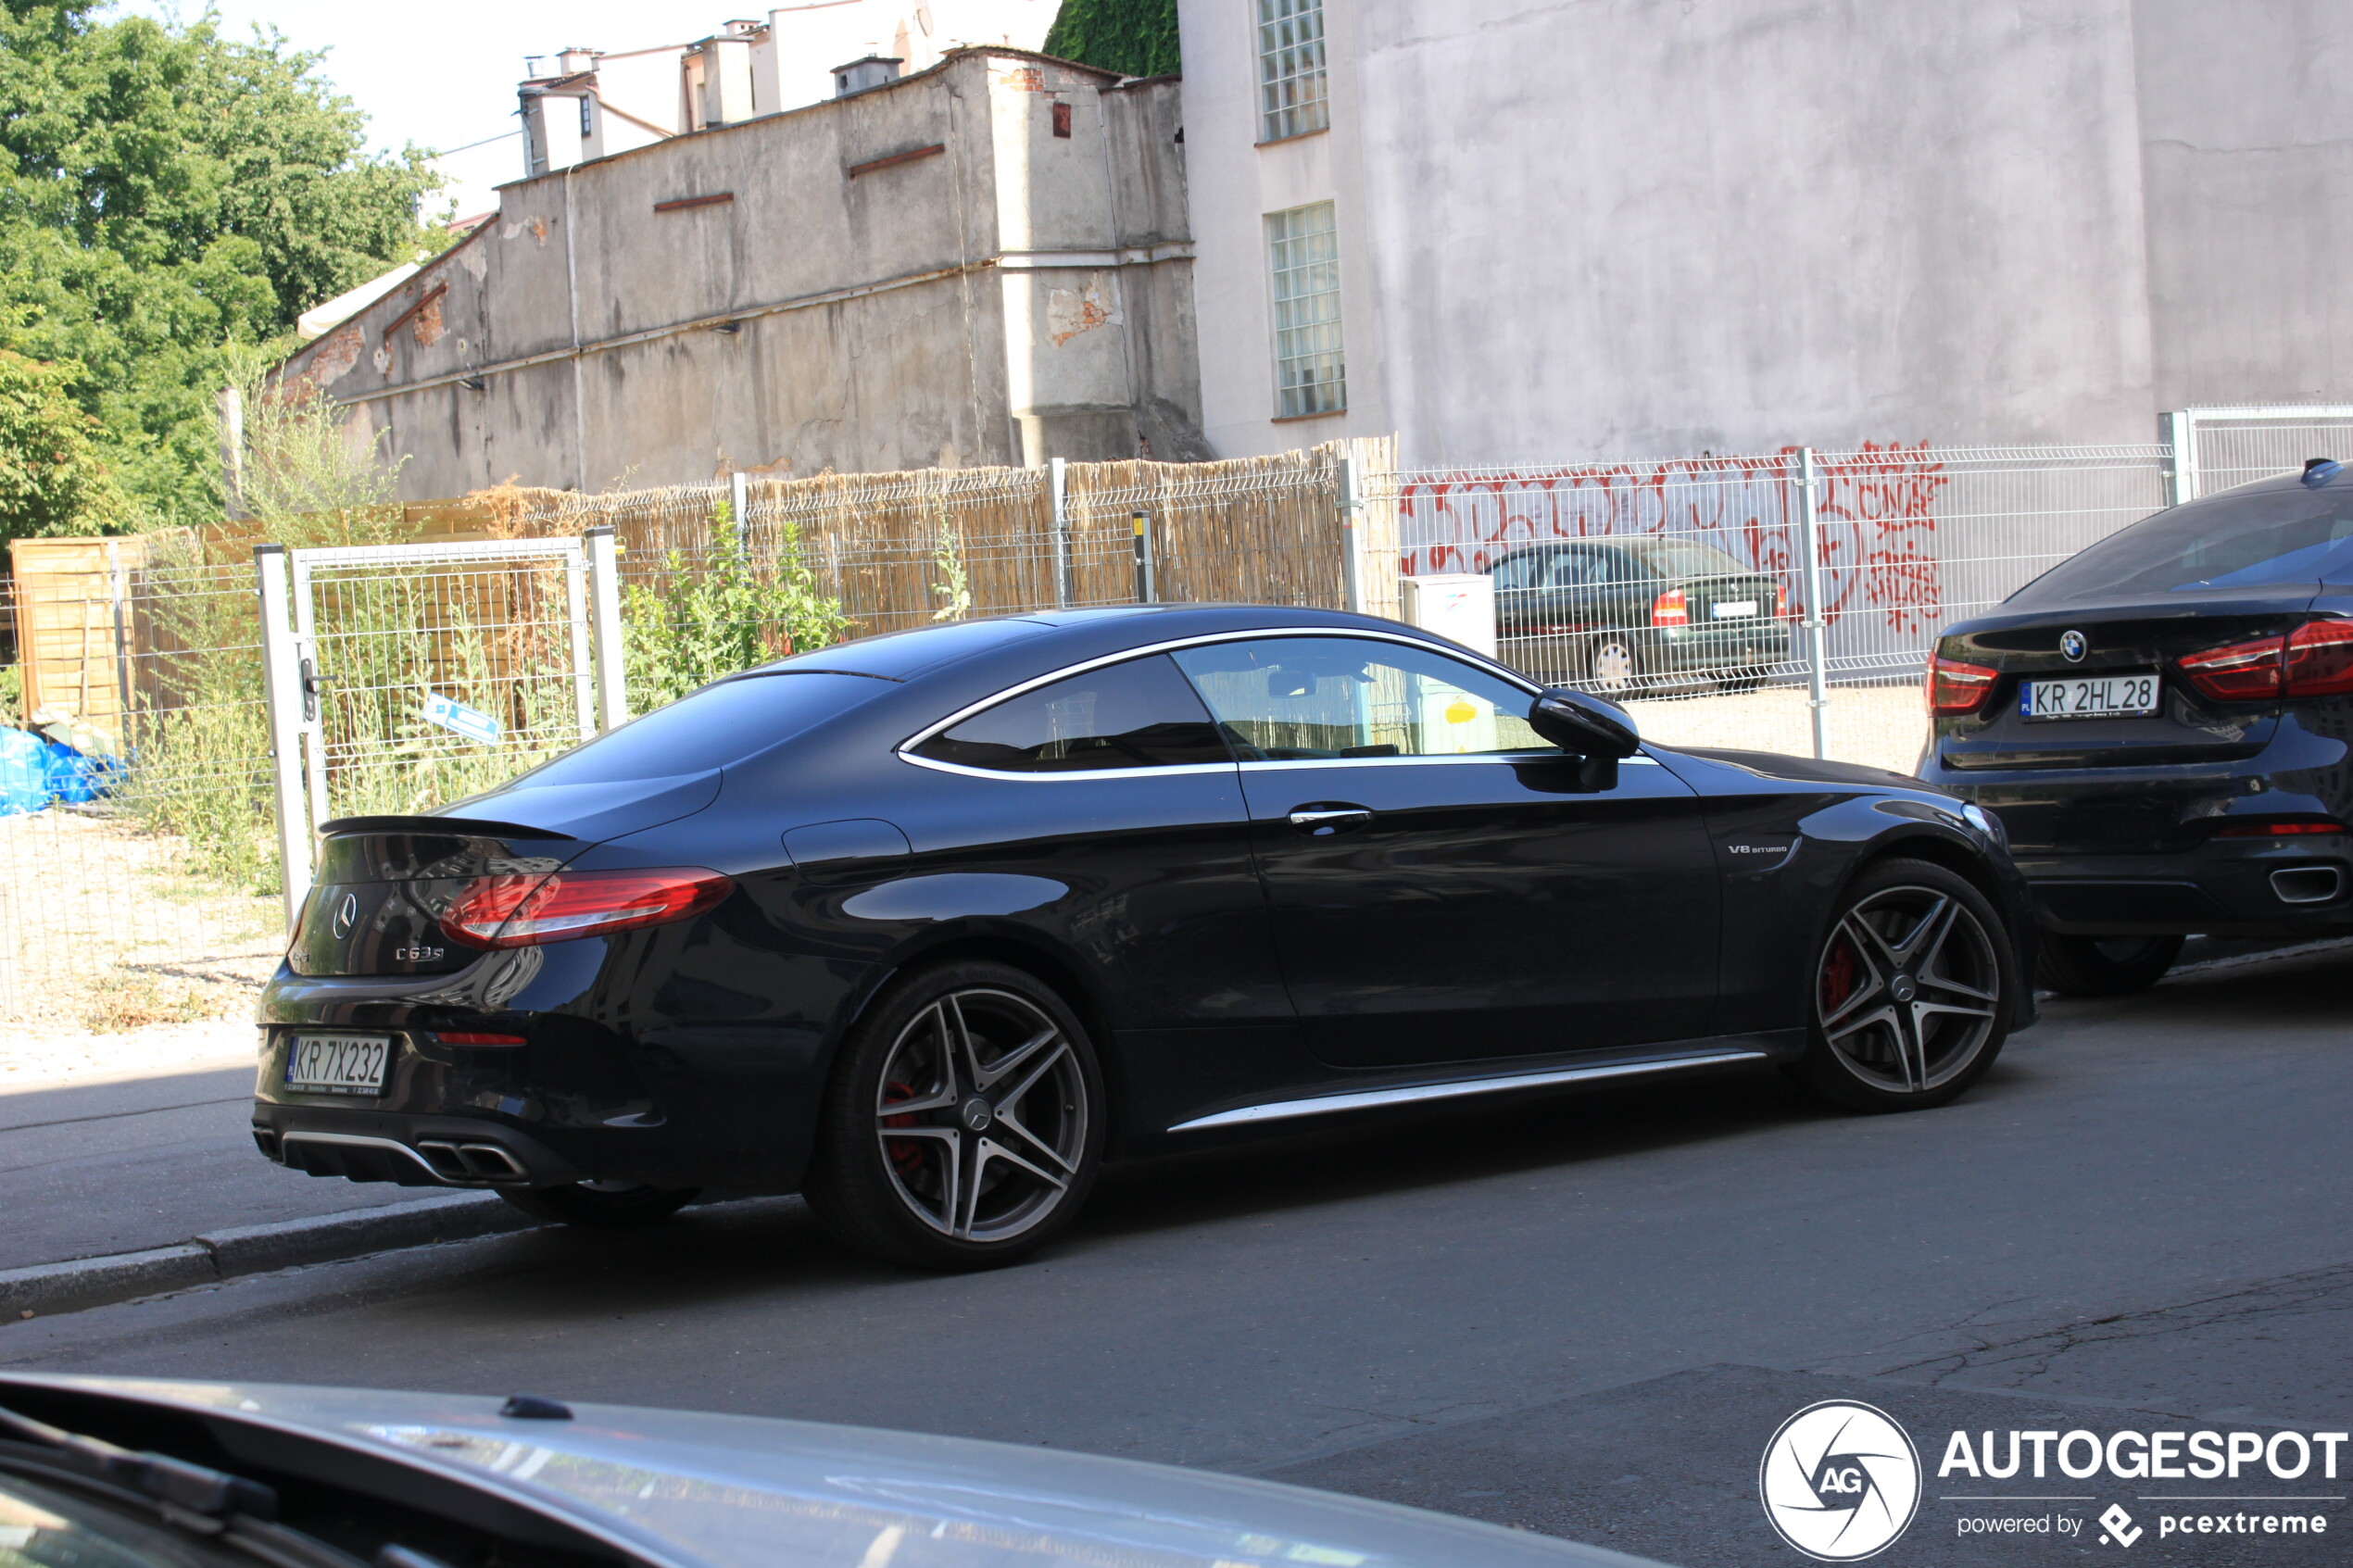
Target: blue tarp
[
  {"x": 24, "y": 773},
  {"x": 35, "y": 771}
]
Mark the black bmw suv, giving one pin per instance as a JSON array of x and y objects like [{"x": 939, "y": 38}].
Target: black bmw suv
[{"x": 2160, "y": 722}]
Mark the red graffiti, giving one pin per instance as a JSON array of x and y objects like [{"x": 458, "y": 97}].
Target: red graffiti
[{"x": 1873, "y": 509}]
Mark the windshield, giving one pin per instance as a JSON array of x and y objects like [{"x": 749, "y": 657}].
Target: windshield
[
  {"x": 707, "y": 728},
  {"x": 2272, "y": 537}
]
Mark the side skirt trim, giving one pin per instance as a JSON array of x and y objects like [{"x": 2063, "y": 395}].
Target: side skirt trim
[{"x": 1364, "y": 1100}]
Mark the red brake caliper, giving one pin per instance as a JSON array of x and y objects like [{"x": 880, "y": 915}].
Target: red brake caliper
[
  {"x": 906, "y": 1154},
  {"x": 1838, "y": 975}
]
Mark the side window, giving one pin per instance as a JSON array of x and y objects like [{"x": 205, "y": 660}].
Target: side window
[
  {"x": 1517, "y": 572},
  {"x": 1140, "y": 714},
  {"x": 1280, "y": 699},
  {"x": 1572, "y": 568}
]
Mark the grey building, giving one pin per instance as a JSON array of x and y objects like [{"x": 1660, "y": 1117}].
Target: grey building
[
  {"x": 986, "y": 262},
  {"x": 1519, "y": 230}
]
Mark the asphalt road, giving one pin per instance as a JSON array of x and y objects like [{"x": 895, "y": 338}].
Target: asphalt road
[{"x": 1584, "y": 1316}]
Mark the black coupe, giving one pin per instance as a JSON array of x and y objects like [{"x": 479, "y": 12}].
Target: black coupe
[{"x": 927, "y": 926}]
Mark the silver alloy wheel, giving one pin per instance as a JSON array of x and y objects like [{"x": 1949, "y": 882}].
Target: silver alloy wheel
[
  {"x": 981, "y": 1114},
  {"x": 1611, "y": 666},
  {"x": 1908, "y": 989}
]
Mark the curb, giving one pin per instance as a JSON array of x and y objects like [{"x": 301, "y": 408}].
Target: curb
[{"x": 251, "y": 1250}]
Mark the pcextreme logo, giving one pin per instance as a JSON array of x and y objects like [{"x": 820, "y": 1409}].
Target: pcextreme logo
[{"x": 1840, "y": 1481}]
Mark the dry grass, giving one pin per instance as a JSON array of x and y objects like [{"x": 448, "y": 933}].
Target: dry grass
[{"x": 105, "y": 930}]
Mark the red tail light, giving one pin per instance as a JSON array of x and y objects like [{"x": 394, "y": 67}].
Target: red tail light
[
  {"x": 1671, "y": 608},
  {"x": 2276, "y": 829},
  {"x": 1956, "y": 690},
  {"x": 2236, "y": 672},
  {"x": 523, "y": 911},
  {"x": 1780, "y": 601},
  {"x": 2320, "y": 659}
]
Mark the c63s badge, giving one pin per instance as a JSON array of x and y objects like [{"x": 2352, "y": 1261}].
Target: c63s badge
[{"x": 1840, "y": 1481}]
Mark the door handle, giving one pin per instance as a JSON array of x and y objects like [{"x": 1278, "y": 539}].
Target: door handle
[{"x": 1321, "y": 822}]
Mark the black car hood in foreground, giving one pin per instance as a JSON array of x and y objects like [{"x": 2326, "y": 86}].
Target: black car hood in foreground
[{"x": 686, "y": 1490}]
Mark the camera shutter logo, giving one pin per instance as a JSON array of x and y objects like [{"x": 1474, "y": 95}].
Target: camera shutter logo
[
  {"x": 1840, "y": 1481},
  {"x": 2073, "y": 645}
]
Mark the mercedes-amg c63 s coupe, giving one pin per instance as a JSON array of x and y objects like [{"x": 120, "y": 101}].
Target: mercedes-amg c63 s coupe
[{"x": 928, "y": 926}]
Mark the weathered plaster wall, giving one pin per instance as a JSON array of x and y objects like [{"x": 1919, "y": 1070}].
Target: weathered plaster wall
[
  {"x": 910, "y": 316},
  {"x": 2247, "y": 151},
  {"x": 1629, "y": 227}
]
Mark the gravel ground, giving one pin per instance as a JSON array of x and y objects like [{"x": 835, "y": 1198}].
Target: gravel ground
[{"x": 46, "y": 1057}]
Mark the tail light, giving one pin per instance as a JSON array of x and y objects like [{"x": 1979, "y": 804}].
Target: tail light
[
  {"x": 2236, "y": 672},
  {"x": 523, "y": 911},
  {"x": 1780, "y": 601},
  {"x": 1671, "y": 608},
  {"x": 2277, "y": 829},
  {"x": 1956, "y": 690},
  {"x": 2320, "y": 659}
]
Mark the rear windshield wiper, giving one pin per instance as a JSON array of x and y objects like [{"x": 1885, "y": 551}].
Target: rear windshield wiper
[{"x": 213, "y": 1504}]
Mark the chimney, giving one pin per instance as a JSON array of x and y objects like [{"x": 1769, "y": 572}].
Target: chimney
[
  {"x": 860, "y": 75},
  {"x": 727, "y": 78}
]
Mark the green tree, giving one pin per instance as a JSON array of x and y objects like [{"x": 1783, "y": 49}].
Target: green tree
[
  {"x": 1133, "y": 37},
  {"x": 51, "y": 479},
  {"x": 170, "y": 200}
]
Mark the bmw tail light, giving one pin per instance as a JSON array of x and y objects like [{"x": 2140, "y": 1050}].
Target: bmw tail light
[
  {"x": 523, "y": 911},
  {"x": 2320, "y": 659},
  {"x": 1956, "y": 690},
  {"x": 2236, "y": 672},
  {"x": 1671, "y": 608},
  {"x": 2276, "y": 828}
]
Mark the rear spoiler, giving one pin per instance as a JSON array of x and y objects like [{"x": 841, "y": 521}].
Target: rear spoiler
[{"x": 445, "y": 827}]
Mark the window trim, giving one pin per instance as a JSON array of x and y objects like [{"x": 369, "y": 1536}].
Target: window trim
[{"x": 905, "y": 751}]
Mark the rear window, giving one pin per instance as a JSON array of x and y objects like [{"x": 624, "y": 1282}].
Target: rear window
[
  {"x": 1677, "y": 557},
  {"x": 711, "y": 728},
  {"x": 2269, "y": 538}
]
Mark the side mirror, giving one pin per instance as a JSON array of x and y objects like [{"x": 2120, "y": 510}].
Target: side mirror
[{"x": 1583, "y": 726}]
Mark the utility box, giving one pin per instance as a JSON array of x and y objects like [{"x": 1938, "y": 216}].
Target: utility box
[{"x": 1457, "y": 605}]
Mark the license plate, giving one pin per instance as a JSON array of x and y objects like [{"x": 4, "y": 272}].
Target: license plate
[
  {"x": 338, "y": 1064},
  {"x": 2090, "y": 696},
  {"x": 1734, "y": 609}
]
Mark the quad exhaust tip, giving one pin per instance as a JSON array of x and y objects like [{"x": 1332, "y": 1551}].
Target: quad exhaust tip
[
  {"x": 2308, "y": 884},
  {"x": 471, "y": 1162}
]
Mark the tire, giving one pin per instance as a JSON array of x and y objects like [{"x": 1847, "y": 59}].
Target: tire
[
  {"x": 1911, "y": 991},
  {"x": 604, "y": 1205},
  {"x": 1610, "y": 664},
  {"x": 2105, "y": 966},
  {"x": 999, "y": 1136}
]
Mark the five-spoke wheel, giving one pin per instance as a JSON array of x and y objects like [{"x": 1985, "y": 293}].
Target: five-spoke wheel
[
  {"x": 963, "y": 1124},
  {"x": 1913, "y": 990}
]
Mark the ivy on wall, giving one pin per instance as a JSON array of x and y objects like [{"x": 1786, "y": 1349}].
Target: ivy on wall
[{"x": 1133, "y": 37}]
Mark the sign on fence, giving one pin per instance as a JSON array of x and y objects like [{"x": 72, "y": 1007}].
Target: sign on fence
[{"x": 470, "y": 722}]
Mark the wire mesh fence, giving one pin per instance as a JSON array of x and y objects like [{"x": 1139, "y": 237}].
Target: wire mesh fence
[
  {"x": 138, "y": 879},
  {"x": 2221, "y": 447}
]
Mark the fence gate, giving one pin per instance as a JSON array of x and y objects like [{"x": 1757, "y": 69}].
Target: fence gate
[{"x": 410, "y": 675}]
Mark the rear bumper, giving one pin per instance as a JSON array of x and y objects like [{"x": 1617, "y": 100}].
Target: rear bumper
[{"x": 2226, "y": 888}]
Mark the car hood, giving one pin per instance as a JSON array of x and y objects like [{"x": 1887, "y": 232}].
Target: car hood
[{"x": 691, "y": 1491}]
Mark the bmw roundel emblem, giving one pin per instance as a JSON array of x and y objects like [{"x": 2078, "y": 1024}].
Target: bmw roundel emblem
[{"x": 2072, "y": 646}]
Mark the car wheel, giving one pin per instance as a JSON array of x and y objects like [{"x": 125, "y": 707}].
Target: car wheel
[
  {"x": 601, "y": 1205},
  {"x": 1735, "y": 683},
  {"x": 1610, "y": 665},
  {"x": 2104, "y": 966},
  {"x": 964, "y": 1123},
  {"x": 1913, "y": 990}
]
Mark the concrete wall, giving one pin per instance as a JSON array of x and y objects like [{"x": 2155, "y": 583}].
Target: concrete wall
[
  {"x": 2247, "y": 152},
  {"x": 1627, "y": 228},
  {"x": 967, "y": 305}
]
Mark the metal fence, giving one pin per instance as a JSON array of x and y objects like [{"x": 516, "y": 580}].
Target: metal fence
[{"x": 156, "y": 896}]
